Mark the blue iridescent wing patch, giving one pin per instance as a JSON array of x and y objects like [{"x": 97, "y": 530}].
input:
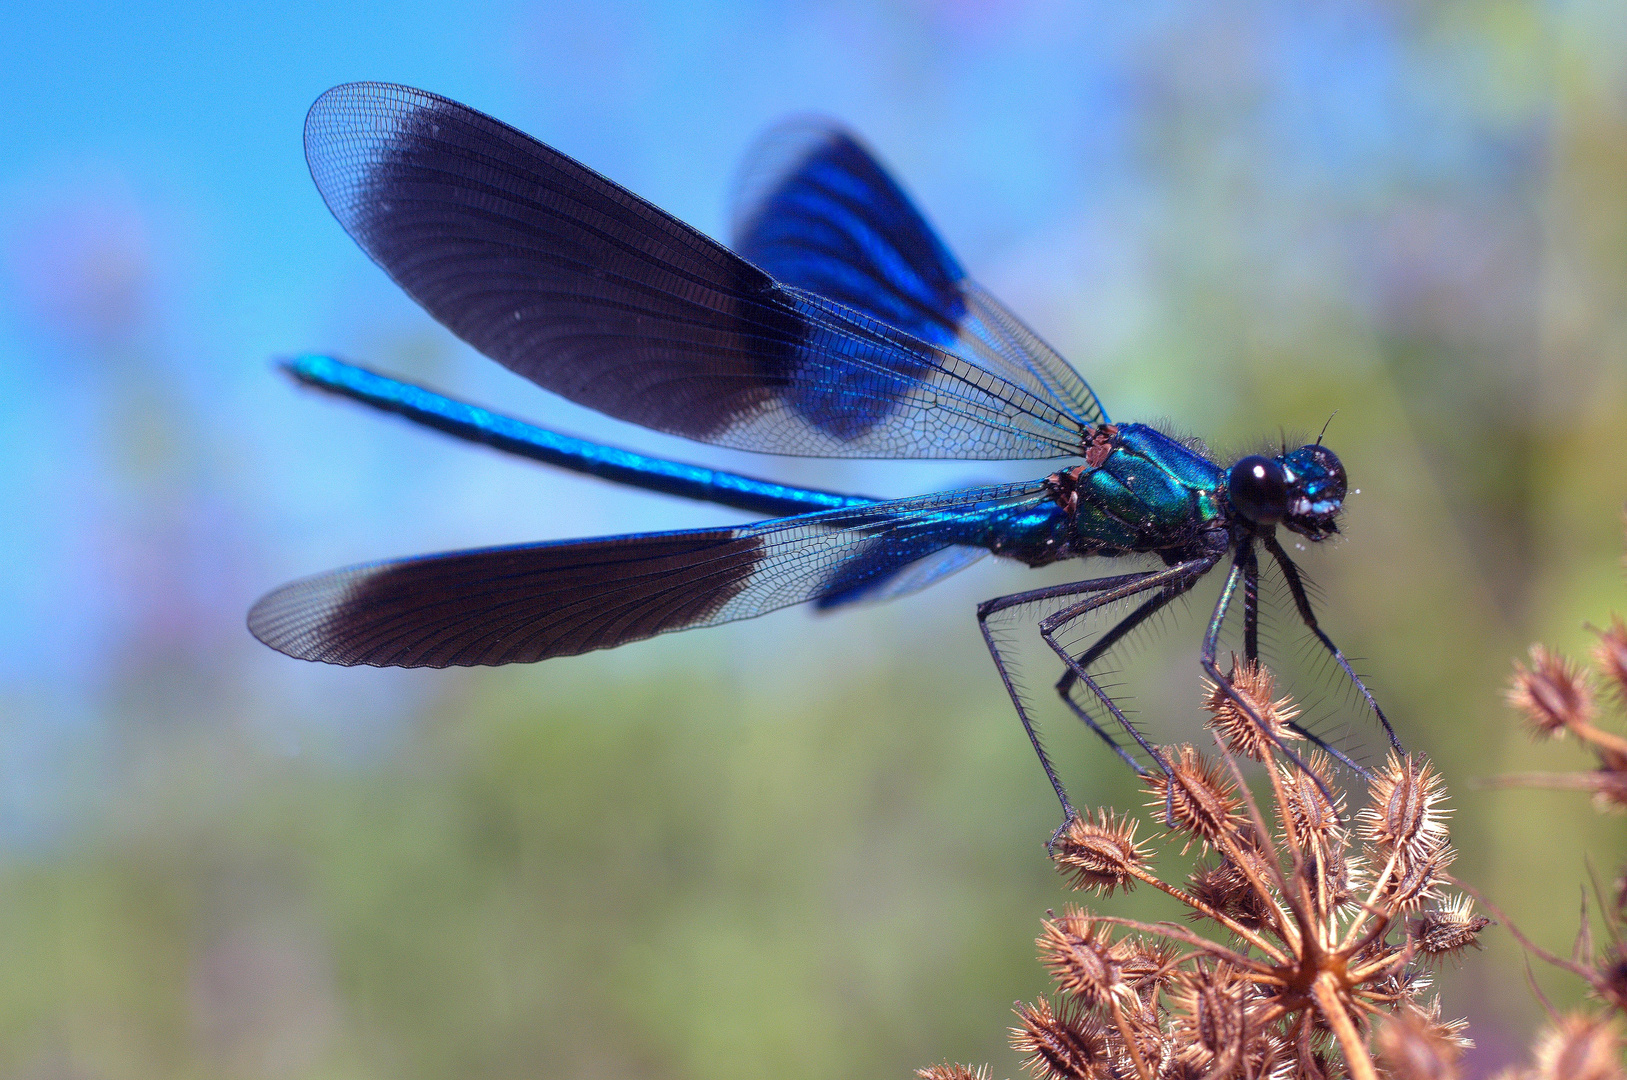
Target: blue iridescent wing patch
[
  {"x": 816, "y": 210},
  {"x": 579, "y": 285},
  {"x": 888, "y": 574}
]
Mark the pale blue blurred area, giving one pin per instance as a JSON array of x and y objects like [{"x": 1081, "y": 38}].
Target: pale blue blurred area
[{"x": 1232, "y": 217}]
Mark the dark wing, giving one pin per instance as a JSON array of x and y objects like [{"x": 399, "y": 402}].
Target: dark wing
[
  {"x": 591, "y": 292},
  {"x": 532, "y": 601},
  {"x": 816, "y": 210}
]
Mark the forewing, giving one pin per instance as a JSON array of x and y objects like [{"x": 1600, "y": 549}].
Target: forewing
[
  {"x": 593, "y": 293},
  {"x": 533, "y": 601},
  {"x": 816, "y": 210}
]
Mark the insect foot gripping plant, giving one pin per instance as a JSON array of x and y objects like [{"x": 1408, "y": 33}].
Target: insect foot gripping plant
[{"x": 1322, "y": 931}]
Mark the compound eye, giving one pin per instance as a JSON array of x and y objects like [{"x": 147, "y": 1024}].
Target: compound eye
[{"x": 1259, "y": 489}]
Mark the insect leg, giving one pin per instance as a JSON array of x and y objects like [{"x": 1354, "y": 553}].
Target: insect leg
[
  {"x": 1251, "y": 644},
  {"x": 1251, "y": 600},
  {"x": 1297, "y": 587},
  {"x": 1211, "y": 639},
  {"x": 1176, "y": 579},
  {"x": 1112, "y": 637},
  {"x": 1251, "y": 612},
  {"x": 1002, "y": 603},
  {"x": 1180, "y": 576}
]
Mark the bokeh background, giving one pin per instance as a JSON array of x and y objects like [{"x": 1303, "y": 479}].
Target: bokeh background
[{"x": 803, "y": 847}]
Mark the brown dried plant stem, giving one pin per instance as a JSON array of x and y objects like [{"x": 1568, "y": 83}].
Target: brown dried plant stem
[
  {"x": 1599, "y": 737},
  {"x": 1199, "y": 906},
  {"x": 1327, "y": 992},
  {"x": 1305, "y": 905},
  {"x": 1327, "y": 986},
  {"x": 1315, "y": 958}
]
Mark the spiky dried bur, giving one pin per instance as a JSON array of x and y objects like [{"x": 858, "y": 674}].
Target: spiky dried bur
[
  {"x": 1100, "y": 855},
  {"x": 1214, "y": 1024},
  {"x": 1578, "y": 1047},
  {"x": 1223, "y": 887},
  {"x": 1065, "y": 1043},
  {"x": 1199, "y": 801},
  {"x": 1315, "y": 938},
  {"x": 1081, "y": 957},
  {"x": 1554, "y": 696},
  {"x": 1413, "y": 1043},
  {"x": 1610, "y": 657},
  {"x": 954, "y": 1071},
  {"x": 1241, "y": 733},
  {"x": 1404, "y": 826},
  {"x": 1448, "y": 929}
]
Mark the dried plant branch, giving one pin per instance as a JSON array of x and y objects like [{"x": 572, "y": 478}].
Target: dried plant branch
[
  {"x": 1555, "y": 698},
  {"x": 1335, "y": 930},
  {"x": 1308, "y": 964}
]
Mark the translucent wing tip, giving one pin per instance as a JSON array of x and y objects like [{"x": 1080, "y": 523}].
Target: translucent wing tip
[
  {"x": 294, "y": 619},
  {"x": 345, "y": 129}
]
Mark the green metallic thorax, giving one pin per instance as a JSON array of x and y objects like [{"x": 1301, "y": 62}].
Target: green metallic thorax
[{"x": 1140, "y": 491}]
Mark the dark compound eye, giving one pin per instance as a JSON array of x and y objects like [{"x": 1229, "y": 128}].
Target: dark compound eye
[{"x": 1259, "y": 489}]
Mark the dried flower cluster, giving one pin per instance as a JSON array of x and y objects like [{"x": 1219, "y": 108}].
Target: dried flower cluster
[
  {"x": 1555, "y": 696},
  {"x": 1328, "y": 932},
  {"x": 1322, "y": 925}
]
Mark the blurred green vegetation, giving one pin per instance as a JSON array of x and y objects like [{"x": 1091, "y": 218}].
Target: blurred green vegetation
[
  {"x": 709, "y": 857},
  {"x": 592, "y": 881}
]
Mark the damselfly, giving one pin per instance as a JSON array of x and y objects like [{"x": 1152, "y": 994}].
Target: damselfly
[{"x": 839, "y": 326}]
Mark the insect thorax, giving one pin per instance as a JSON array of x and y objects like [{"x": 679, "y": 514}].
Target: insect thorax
[{"x": 1138, "y": 490}]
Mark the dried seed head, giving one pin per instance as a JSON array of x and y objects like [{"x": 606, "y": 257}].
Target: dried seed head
[
  {"x": 1099, "y": 854},
  {"x": 1081, "y": 957},
  {"x": 1609, "y": 781},
  {"x": 1386, "y": 971},
  {"x": 1269, "y": 1056},
  {"x": 1144, "y": 1019},
  {"x": 1581, "y": 1047},
  {"x": 1310, "y": 811},
  {"x": 1183, "y": 1067},
  {"x": 1226, "y": 889},
  {"x": 1211, "y": 1012},
  {"x": 1265, "y": 1055},
  {"x": 1242, "y": 733},
  {"x": 1612, "y": 976},
  {"x": 946, "y": 1071},
  {"x": 1335, "y": 868},
  {"x": 1552, "y": 694},
  {"x": 1450, "y": 1030},
  {"x": 1067, "y": 1043},
  {"x": 1413, "y": 1044},
  {"x": 1147, "y": 965},
  {"x": 1610, "y": 656},
  {"x": 1414, "y": 881},
  {"x": 1445, "y": 930},
  {"x": 1205, "y": 803},
  {"x": 1404, "y": 814},
  {"x": 1405, "y": 981}
]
